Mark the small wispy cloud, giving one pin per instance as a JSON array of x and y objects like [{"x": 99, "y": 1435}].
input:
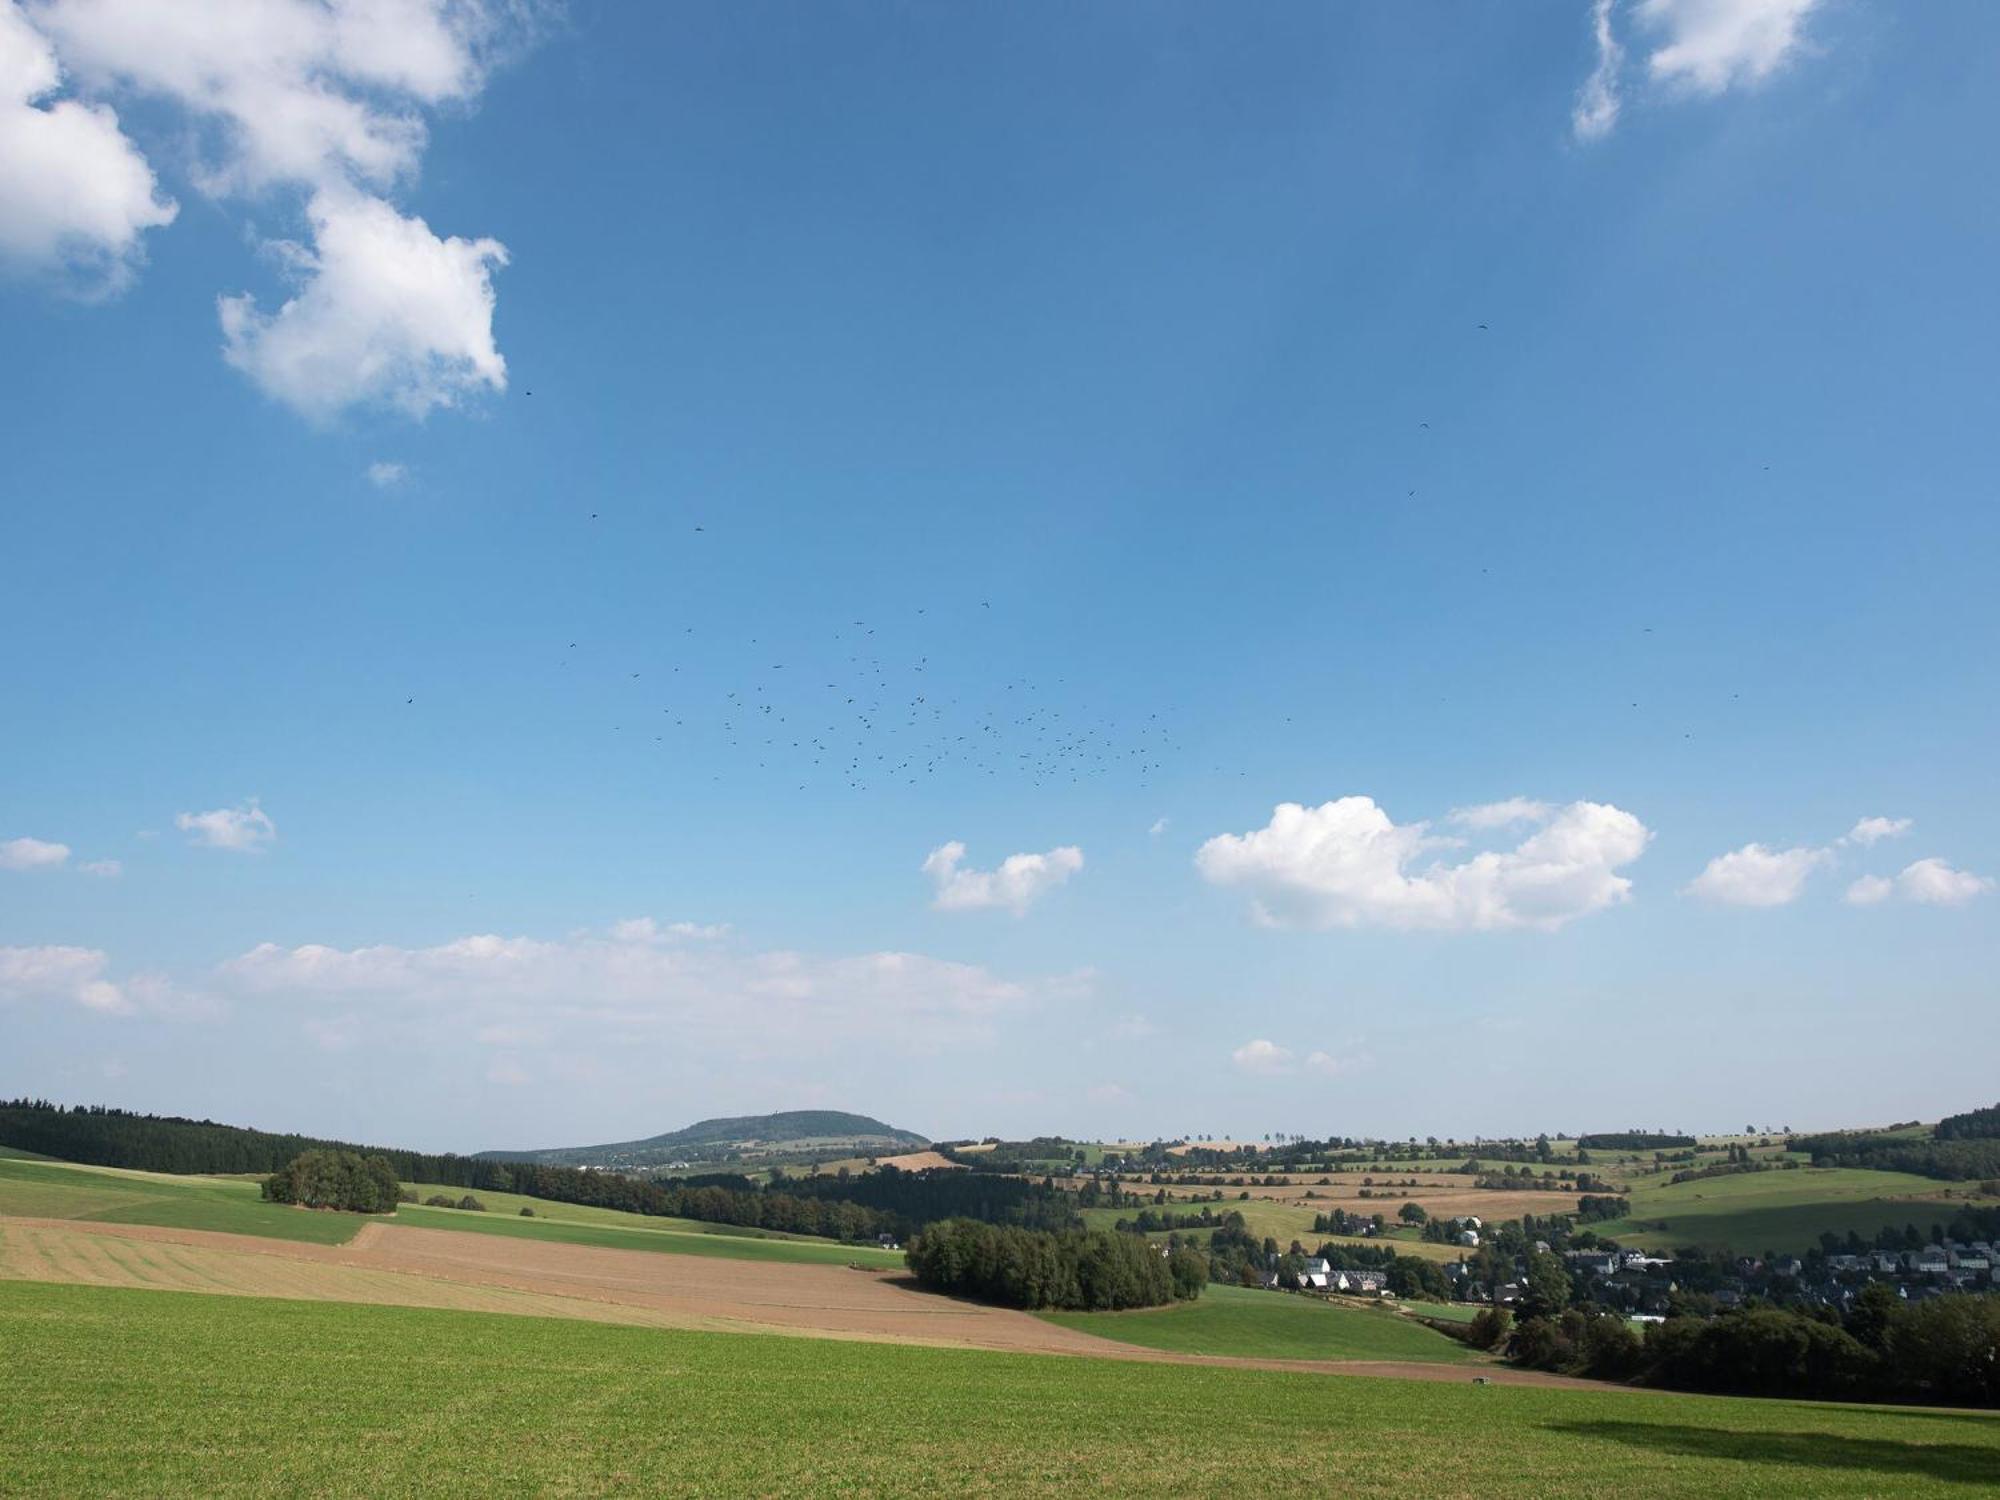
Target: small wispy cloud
[
  {"x": 244, "y": 829},
  {"x": 384, "y": 474},
  {"x": 32, "y": 854}
]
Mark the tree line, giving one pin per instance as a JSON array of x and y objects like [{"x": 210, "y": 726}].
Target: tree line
[
  {"x": 1944, "y": 1351},
  {"x": 1954, "y": 1159},
  {"x": 1091, "y": 1270}
]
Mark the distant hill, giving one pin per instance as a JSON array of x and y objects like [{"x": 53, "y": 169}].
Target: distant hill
[{"x": 789, "y": 1132}]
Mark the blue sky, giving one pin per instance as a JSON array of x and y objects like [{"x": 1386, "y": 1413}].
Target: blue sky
[{"x": 1121, "y": 369}]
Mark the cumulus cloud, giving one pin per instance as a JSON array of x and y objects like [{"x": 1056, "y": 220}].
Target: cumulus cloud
[
  {"x": 32, "y": 854},
  {"x": 1346, "y": 864},
  {"x": 1932, "y": 882},
  {"x": 1262, "y": 1057},
  {"x": 1702, "y": 47},
  {"x": 1707, "y": 46},
  {"x": 593, "y": 986},
  {"x": 1596, "y": 109},
  {"x": 245, "y": 829},
  {"x": 1020, "y": 880},
  {"x": 1871, "y": 831},
  {"x": 1757, "y": 876},
  {"x": 387, "y": 311},
  {"x": 61, "y": 973},
  {"x": 76, "y": 196},
  {"x": 323, "y": 103}
]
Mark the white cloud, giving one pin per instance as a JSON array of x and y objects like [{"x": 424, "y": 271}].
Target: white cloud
[
  {"x": 508, "y": 1072},
  {"x": 75, "y": 194},
  {"x": 104, "y": 869},
  {"x": 61, "y": 973},
  {"x": 1345, "y": 864},
  {"x": 1262, "y": 1057},
  {"x": 245, "y": 829},
  {"x": 1932, "y": 882},
  {"x": 324, "y": 101},
  {"x": 1332, "y": 1065},
  {"x": 388, "y": 312},
  {"x": 1159, "y": 827},
  {"x": 1015, "y": 886},
  {"x": 32, "y": 854},
  {"x": 1871, "y": 831},
  {"x": 1707, "y": 46},
  {"x": 598, "y": 989},
  {"x": 1596, "y": 109},
  {"x": 1108, "y": 1093},
  {"x": 1489, "y": 815},
  {"x": 646, "y": 930},
  {"x": 1870, "y": 890},
  {"x": 384, "y": 474},
  {"x": 1757, "y": 876}
]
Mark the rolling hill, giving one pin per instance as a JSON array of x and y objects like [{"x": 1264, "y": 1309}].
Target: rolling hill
[{"x": 789, "y": 1132}]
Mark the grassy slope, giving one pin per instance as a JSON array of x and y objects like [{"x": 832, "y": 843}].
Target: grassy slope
[
  {"x": 231, "y": 1205},
  {"x": 1783, "y": 1211},
  {"x": 228, "y": 1204},
  {"x": 168, "y": 1394},
  {"x": 668, "y": 1236},
  {"x": 1270, "y": 1325}
]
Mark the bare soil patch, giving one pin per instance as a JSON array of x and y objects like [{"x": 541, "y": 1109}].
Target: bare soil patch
[{"x": 918, "y": 1161}]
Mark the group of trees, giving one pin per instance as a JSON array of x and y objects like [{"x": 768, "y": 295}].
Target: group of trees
[
  {"x": 1092, "y": 1270},
  {"x": 1973, "y": 1125},
  {"x": 336, "y": 1179},
  {"x": 1944, "y": 1351},
  {"x": 1950, "y": 1159},
  {"x": 105, "y": 1137},
  {"x": 1632, "y": 1140}
]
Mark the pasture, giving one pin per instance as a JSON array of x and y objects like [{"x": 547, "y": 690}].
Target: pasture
[
  {"x": 1270, "y": 1325},
  {"x": 1782, "y": 1211},
  {"x": 166, "y": 1394},
  {"x": 228, "y": 1205}
]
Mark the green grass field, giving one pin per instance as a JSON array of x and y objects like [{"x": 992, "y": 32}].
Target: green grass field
[
  {"x": 231, "y": 1205},
  {"x": 38, "y": 1190},
  {"x": 667, "y": 1236},
  {"x": 118, "y": 1392},
  {"x": 1782, "y": 1211},
  {"x": 1270, "y": 1325}
]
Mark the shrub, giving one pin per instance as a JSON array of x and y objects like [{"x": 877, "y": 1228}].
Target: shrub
[
  {"x": 438, "y": 1200},
  {"x": 1489, "y": 1328},
  {"x": 527, "y": 1212},
  {"x": 472, "y": 1204}
]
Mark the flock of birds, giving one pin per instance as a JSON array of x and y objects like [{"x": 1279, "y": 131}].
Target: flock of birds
[{"x": 871, "y": 715}]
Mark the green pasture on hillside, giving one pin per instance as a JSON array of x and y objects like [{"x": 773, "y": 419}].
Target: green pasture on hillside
[
  {"x": 231, "y": 1205},
  {"x": 666, "y": 1236},
  {"x": 1270, "y": 1325},
  {"x": 1784, "y": 1211},
  {"x": 163, "y": 1394}
]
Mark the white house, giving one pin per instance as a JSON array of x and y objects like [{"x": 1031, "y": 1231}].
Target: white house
[
  {"x": 1316, "y": 1273},
  {"x": 1469, "y": 1238}
]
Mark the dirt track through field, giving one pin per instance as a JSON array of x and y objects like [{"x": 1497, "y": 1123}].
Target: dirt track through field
[{"x": 405, "y": 1266}]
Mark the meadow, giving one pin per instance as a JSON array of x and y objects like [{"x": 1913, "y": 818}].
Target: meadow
[
  {"x": 232, "y": 1205},
  {"x": 1270, "y": 1325},
  {"x": 1781, "y": 1211},
  {"x": 146, "y": 1393}
]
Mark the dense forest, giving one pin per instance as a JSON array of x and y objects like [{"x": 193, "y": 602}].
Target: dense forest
[
  {"x": 1960, "y": 1159},
  {"x": 104, "y": 1137},
  {"x": 1973, "y": 1125},
  {"x": 1092, "y": 1270},
  {"x": 1945, "y": 1351}
]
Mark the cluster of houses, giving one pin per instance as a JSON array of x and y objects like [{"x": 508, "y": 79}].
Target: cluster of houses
[
  {"x": 1642, "y": 1284},
  {"x": 1320, "y": 1275}
]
